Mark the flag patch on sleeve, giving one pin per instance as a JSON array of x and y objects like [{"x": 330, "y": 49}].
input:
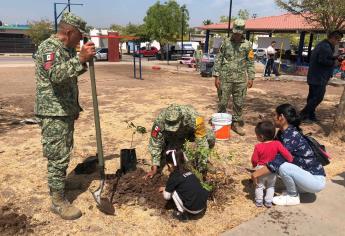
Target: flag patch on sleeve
[
  {"x": 48, "y": 60},
  {"x": 49, "y": 56},
  {"x": 155, "y": 131}
]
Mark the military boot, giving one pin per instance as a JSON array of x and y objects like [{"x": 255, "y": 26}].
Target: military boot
[
  {"x": 238, "y": 129},
  {"x": 63, "y": 208}
]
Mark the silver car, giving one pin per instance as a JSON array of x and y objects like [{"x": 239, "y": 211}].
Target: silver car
[
  {"x": 259, "y": 53},
  {"x": 101, "y": 54}
]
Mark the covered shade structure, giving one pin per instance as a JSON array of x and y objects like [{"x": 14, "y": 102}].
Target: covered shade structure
[{"x": 286, "y": 23}]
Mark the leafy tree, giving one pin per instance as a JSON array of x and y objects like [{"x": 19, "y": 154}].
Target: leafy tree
[
  {"x": 142, "y": 33},
  {"x": 207, "y": 22},
  {"x": 117, "y": 28},
  {"x": 131, "y": 29},
  {"x": 327, "y": 13},
  {"x": 243, "y": 14},
  {"x": 40, "y": 30},
  {"x": 224, "y": 19},
  {"x": 163, "y": 22}
]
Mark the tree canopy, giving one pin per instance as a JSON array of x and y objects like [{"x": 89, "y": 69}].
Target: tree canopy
[
  {"x": 131, "y": 30},
  {"x": 241, "y": 14},
  {"x": 330, "y": 14},
  {"x": 207, "y": 22},
  {"x": 40, "y": 30},
  {"x": 163, "y": 22}
]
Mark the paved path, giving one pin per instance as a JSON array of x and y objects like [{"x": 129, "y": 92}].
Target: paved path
[{"x": 319, "y": 215}]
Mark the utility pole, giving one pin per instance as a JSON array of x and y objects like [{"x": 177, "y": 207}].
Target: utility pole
[
  {"x": 230, "y": 8},
  {"x": 67, "y": 5},
  {"x": 182, "y": 31}
]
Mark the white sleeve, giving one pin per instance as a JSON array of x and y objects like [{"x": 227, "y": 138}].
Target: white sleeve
[
  {"x": 167, "y": 195},
  {"x": 270, "y": 50}
]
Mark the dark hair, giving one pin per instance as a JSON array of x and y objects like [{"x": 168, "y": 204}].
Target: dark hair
[
  {"x": 273, "y": 42},
  {"x": 334, "y": 34},
  {"x": 180, "y": 160},
  {"x": 290, "y": 114},
  {"x": 266, "y": 129}
]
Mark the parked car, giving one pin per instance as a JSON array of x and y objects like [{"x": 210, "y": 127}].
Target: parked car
[
  {"x": 259, "y": 53},
  {"x": 101, "y": 54},
  {"x": 208, "y": 57},
  {"x": 190, "y": 61},
  {"x": 148, "y": 52}
]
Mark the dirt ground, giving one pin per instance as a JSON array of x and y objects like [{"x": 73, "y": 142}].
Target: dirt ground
[{"x": 23, "y": 182}]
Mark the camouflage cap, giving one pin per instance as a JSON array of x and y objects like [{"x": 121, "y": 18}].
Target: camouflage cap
[
  {"x": 76, "y": 21},
  {"x": 173, "y": 118},
  {"x": 238, "y": 26}
]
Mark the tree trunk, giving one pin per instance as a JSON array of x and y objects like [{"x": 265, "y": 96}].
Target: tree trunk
[
  {"x": 338, "y": 129},
  {"x": 162, "y": 51}
]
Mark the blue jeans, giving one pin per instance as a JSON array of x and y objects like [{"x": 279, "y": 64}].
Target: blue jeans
[{"x": 297, "y": 180}]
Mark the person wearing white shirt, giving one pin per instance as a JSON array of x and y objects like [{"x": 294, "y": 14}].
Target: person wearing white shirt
[{"x": 270, "y": 61}]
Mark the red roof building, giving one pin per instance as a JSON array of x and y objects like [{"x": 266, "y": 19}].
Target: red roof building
[{"x": 286, "y": 23}]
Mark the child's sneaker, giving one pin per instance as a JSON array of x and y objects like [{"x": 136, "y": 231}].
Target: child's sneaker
[
  {"x": 268, "y": 204},
  {"x": 286, "y": 200},
  {"x": 259, "y": 204},
  {"x": 181, "y": 216}
]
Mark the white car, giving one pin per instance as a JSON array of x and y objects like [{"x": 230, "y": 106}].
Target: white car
[
  {"x": 208, "y": 57},
  {"x": 259, "y": 53},
  {"x": 101, "y": 54}
]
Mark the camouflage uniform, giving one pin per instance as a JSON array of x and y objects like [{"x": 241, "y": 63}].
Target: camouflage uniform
[
  {"x": 197, "y": 56},
  {"x": 234, "y": 65},
  {"x": 56, "y": 104},
  {"x": 173, "y": 126}
]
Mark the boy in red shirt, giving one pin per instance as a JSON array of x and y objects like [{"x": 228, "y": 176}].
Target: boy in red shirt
[{"x": 265, "y": 152}]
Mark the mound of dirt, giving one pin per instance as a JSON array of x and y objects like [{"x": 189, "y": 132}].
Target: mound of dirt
[
  {"x": 132, "y": 189},
  {"x": 223, "y": 189},
  {"x": 13, "y": 223}
]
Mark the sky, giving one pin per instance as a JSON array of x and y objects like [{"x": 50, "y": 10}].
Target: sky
[{"x": 103, "y": 13}]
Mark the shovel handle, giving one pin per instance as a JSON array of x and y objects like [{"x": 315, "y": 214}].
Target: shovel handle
[{"x": 96, "y": 116}]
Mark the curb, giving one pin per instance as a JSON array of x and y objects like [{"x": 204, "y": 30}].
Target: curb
[{"x": 15, "y": 54}]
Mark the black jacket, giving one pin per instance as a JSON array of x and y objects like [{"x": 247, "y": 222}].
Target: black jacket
[{"x": 321, "y": 64}]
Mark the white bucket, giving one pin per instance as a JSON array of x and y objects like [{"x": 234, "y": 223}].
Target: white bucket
[{"x": 221, "y": 125}]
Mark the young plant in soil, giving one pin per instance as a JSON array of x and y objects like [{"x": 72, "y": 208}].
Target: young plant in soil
[
  {"x": 136, "y": 129},
  {"x": 195, "y": 156}
]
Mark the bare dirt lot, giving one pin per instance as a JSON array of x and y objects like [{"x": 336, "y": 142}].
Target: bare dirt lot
[{"x": 23, "y": 182}]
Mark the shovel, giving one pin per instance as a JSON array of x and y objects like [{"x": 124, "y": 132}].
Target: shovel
[{"x": 103, "y": 204}]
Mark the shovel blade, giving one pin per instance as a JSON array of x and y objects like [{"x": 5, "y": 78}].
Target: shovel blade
[
  {"x": 97, "y": 194},
  {"x": 103, "y": 204}
]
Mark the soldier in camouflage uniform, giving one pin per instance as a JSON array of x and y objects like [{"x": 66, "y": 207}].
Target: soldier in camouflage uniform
[
  {"x": 56, "y": 104},
  {"x": 173, "y": 126},
  {"x": 234, "y": 72}
]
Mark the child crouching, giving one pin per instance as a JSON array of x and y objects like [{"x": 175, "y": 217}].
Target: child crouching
[
  {"x": 265, "y": 152},
  {"x": 183, "y": 187}
]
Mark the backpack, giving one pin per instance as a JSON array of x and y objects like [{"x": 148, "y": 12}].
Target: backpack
[{"x": 319, "y": 150}]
